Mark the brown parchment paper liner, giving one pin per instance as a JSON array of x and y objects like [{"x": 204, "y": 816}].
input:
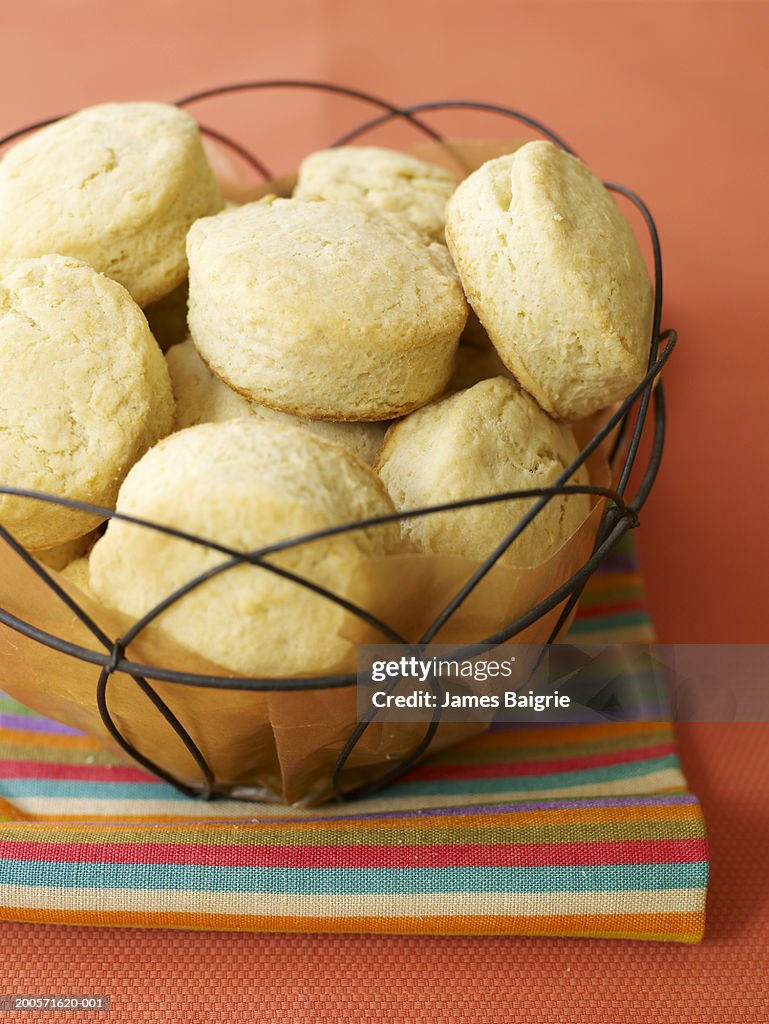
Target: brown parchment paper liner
[{"x": 276, "y": 745}]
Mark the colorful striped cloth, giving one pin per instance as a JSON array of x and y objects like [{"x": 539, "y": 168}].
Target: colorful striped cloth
[{"x": 567, "y": 830}]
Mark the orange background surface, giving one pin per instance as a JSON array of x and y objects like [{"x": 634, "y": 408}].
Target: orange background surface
[{"x": 668, "y": 98}]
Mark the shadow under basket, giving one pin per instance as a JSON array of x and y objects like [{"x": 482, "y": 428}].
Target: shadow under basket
[{"x": 300, "y": 740}]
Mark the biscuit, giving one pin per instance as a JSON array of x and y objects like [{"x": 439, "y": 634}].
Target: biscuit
[
  {"x": 477, "y": 359},
  {"x": 554, "y": 272},
  {"x": 474, "y": 365},
  {"x": 79, "y": 573},
  {"x": 474, "y": 334},
  {"x": 324, "y": 309},
  {"x": 400, "y": 187},
  {"x": 487, "y": 440},
  {"x": 117, "y": 186},
  {"x": 85, "y": 392},
  {"x": 200, "y": 397},
  {"x": 245, "y": 484},
  {"x": 62, "y": 555},
  {"x": 168, "y": 317}
]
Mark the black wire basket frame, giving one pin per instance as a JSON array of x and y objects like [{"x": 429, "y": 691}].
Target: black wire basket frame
[{"x": 631, "y": 420}]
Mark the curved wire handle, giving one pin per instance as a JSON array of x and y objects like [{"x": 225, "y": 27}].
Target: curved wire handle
[{"x": 619, "y": 515}]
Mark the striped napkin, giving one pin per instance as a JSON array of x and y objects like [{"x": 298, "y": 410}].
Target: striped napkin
[{"x": 560, "y": 830}]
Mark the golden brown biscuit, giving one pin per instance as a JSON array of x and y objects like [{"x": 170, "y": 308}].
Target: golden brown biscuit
[
  {"x": 168, "y": 317},
  {"x": 323, "y": 310},
  {"x": 402, "y": 188},
  {"x": 61, "y": 555},
  {"x": 85, "y": 392},
  {"x": 554, "y": 272},
  {"x": 487, "y": 440},
  {"x": 246, "y": 485},
  {"x": 117, "y": 186},
  {"x": 474, "y": 365},
  {"x": 200, "y": 397}
]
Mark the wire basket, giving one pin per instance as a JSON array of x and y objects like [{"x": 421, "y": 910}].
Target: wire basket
[{"x": 641, "y": 413}]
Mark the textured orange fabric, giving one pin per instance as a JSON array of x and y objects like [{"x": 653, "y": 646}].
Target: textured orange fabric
[{"x": 170, "y": 976}]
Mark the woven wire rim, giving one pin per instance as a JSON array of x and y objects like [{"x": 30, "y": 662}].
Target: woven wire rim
[{"x": 620, "y": 513}]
